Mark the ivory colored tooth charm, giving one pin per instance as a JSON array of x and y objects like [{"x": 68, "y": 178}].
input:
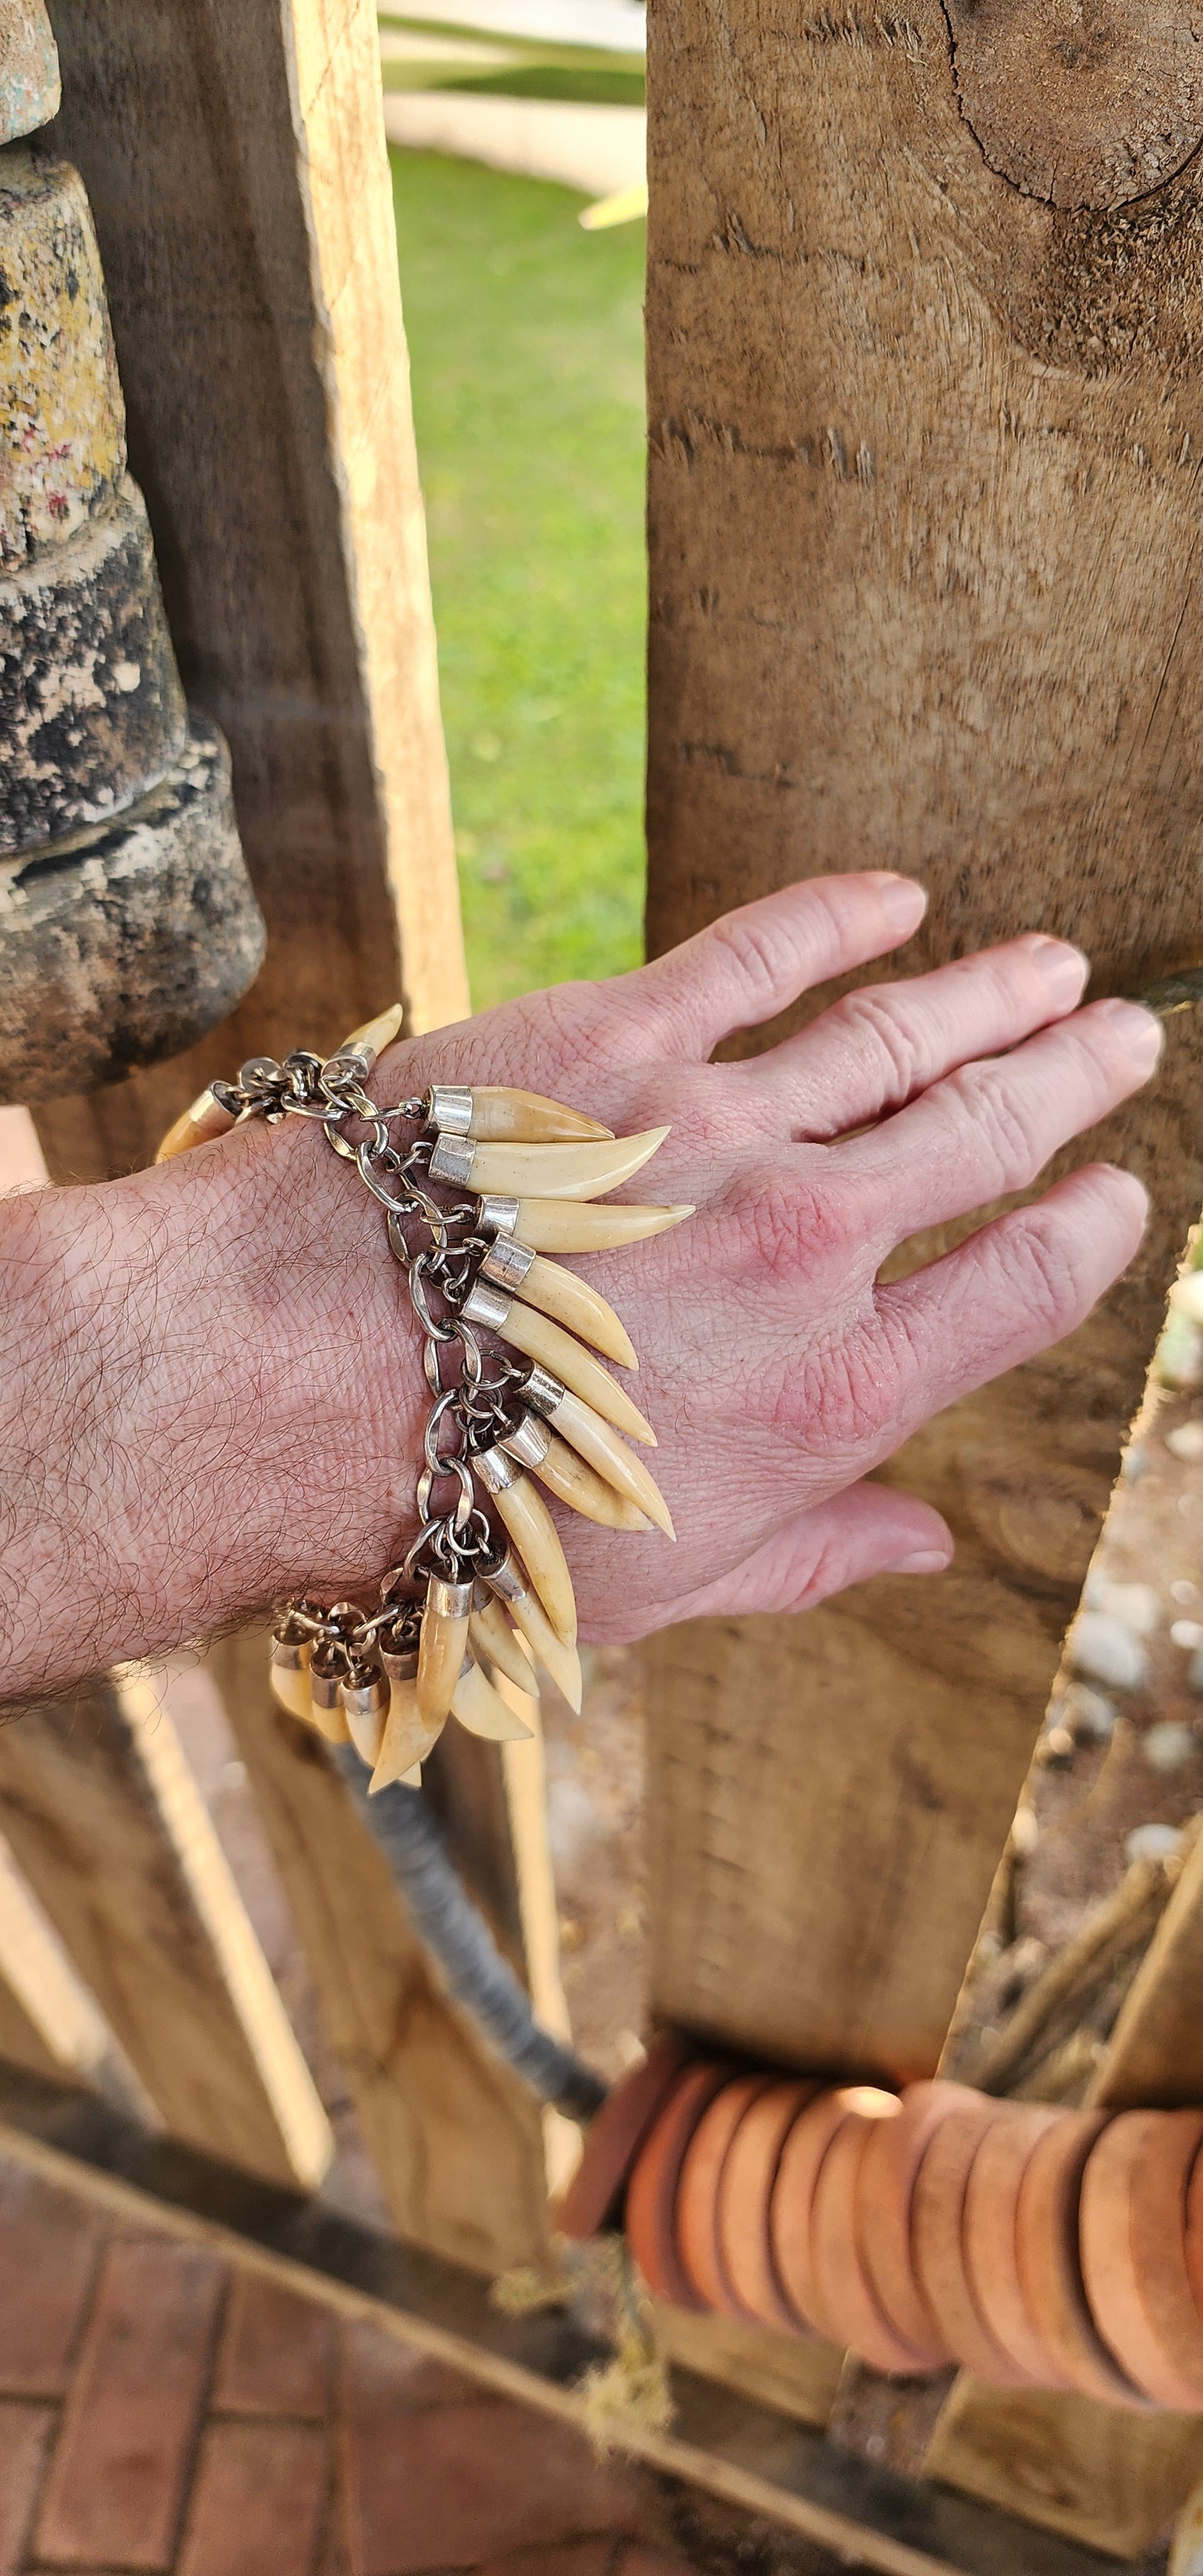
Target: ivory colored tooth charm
[
  {"x": 288, "y": 1673},
  {"x": 483, "y": 1710},
  {"x": 366, "y": 1707},
  {"x": 584, "y": 1171},
  {"x": 561, "y": 1661},
  {"x": 196, "y": 1126},
  {"x": 535, "y": 1536},
  {"x": 326, "y": 1710},
  {"x": 375, "y": 1035},
  {"x": 444, "y": 1637},
  {"x": 406, "y": 1741},
  {"x": 598, "y": 1444},
  {"x": 584, "y": 1491},
  {"x": 492, "y": 1639},
  {"x": 556, "y": 1350},
  {"x": 526, "y": 1118},
  {"x": 570, "y": 1301},
  {"x": 559, "y": 1225}
]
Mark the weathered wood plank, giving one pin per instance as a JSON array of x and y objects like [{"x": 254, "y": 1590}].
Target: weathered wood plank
[
  {"x": 795, "y": 2377},
  {"x": 106, "y": 1822},
  {"x": 48, "y": 2023},
  {"x": 455, "y": 2137},
  {"x": 236, "y": 166},
  {"x": 1105, "y": 2476},
  {"x": 923, "y": 595}
]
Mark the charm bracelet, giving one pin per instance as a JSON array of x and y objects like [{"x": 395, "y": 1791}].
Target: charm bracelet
[{"x": 489, "y": 1183}]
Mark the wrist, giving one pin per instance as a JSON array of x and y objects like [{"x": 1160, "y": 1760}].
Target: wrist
[{"x": 185, "y": 1356}]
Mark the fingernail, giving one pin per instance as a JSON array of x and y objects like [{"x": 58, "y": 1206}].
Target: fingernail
[
  {"x": 902, "y": 901},
  {"x": 924, "y": 1560},
  {"x": 1063, "y": 968},
  {"x": 1140, "y": 1036}
]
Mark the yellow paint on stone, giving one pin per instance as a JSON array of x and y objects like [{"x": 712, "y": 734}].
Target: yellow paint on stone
[{"x": 62, "y": 421}]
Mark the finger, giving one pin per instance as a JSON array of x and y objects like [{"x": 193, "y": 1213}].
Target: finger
[
  {"x": 747, "y": 966},
  {"x": 1014, "y": 1288},
  {"x": 870, "y": 1529},
  {"x": 878, "y": 1047},
  {"x": 990, "y": 1128}
]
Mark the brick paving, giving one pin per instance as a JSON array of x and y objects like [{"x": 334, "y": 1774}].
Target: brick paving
[{"x": 165, "y": 2414}]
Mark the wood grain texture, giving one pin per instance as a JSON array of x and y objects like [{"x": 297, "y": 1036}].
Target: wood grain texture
[
  {"x": 236, "y": 167},
  {"x": 456, "y": 2139},
  {"x": 106, "y": 1823},
  {"x": 1109, "y": 2477},
  {"x": 48, "y": 2023},
  {"x": 787, "y": 2372},
  {"x": 922, "y": 525}
]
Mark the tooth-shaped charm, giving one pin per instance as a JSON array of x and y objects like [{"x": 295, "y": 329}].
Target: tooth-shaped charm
[
  {"x": 556, "y": 1350},
  {"x": 205, "y": 1119},
  {"x": 375, "y": 1035},
  {"x": 492, "y": 1640},
  {"x": 598, "y": 1443},
  {"x": 583, "y": 1171},
  {"x": 559, "y": 1225},
  {"x": 535, "y": 1536},
  {"x": 444, "y": 1637},
  {"x": 561, "y": 1661},
  {"x": 406, "y": 1741},
  {"x": 365, "y": 1704},
  {"x": 526, "y": 1118},
  {"x": 288, "y": 1673},
  {"x": 568, "y": 1300},
  {"x": 326, "y": 1709},
  {"x": 568, "y": 1477},
  {"x": 483, "y": 1710}
]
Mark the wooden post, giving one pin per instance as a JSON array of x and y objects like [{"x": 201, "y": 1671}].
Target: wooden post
[{"x": 923, "y": 595}]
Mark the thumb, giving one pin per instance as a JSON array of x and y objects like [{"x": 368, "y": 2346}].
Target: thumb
[{"x": 869, "y": 1529}]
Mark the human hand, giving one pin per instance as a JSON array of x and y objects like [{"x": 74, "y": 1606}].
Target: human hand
[
  {"x": 210, "y": 1381},
  {"x": 777, "y": 1371}
]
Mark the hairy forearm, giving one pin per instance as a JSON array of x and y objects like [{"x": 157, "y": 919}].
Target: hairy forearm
[{"x": 182, "y": 1415}]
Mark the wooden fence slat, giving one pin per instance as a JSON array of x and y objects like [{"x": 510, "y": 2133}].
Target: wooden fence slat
[
  {"x": 1103, "y": 2475},
  {"x": 48, "y": 2023},
  {"x": 456, "y": 2139},
  {"x": 923, "y": 596},
  {"x": 787, "y": 2372},
  {"x": 108, "y": 1826}
]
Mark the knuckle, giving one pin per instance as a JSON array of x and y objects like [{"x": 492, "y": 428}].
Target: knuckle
[
  {"x": 1046, "y": 1265},
  {"x": 877, "y": 1020},
  {"x": 793, "y": 1227},
  {"x": 843, "y": 1396},
  {"x": 996, "y": 1123},
  {"x": 754, "y": 953}
]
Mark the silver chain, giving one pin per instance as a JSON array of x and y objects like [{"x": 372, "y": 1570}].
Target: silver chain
[{"x": 475, "y": 1393}]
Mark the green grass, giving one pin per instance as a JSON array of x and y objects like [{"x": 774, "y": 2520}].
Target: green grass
[
  {"x": 525, "y": 338},
  {"x": 606, "y": 88}
]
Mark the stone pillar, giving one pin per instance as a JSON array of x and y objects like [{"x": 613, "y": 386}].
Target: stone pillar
[{"x": 127, "y": 922}]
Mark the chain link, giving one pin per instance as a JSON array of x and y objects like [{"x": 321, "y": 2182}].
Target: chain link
[{"x": 476, "y": 1396}]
